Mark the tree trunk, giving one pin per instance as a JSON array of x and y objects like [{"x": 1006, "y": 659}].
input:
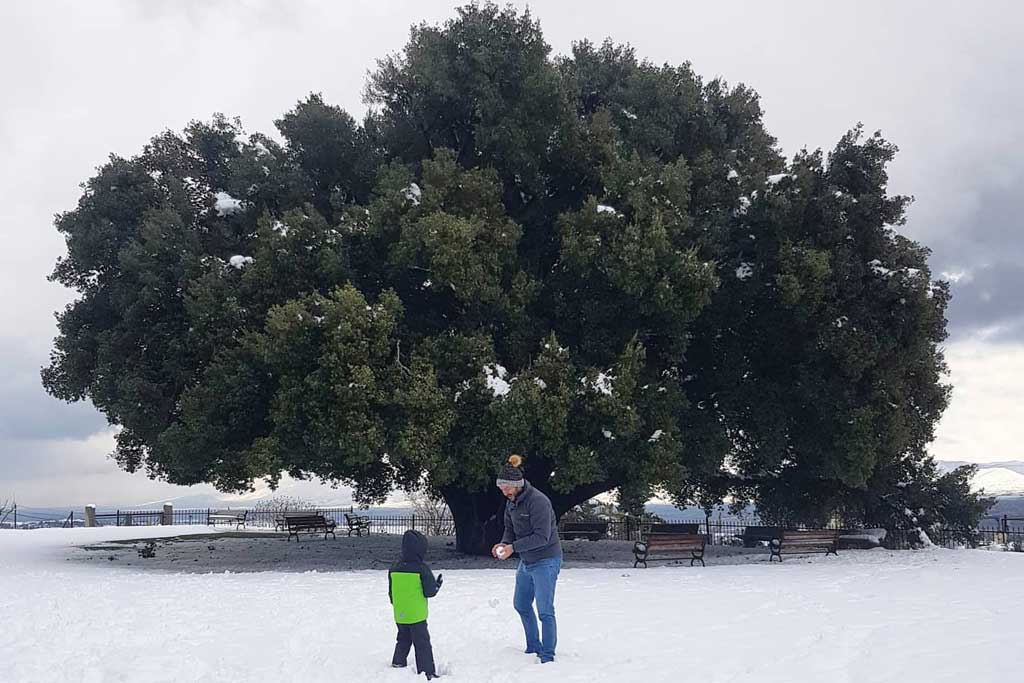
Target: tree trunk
[{"x": 479, "y": 519}]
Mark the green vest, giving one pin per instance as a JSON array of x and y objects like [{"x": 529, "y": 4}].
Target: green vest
[{"x": 407, "y": 598}]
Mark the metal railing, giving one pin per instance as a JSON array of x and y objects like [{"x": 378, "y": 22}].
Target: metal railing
[
  {"x": 29, "y": 518},
  {"x": 130, "y": 518},
  {"x": 1003, "y": 533},
  {"x": 999, "y": 533},
  {"x": 270, "y": 519}
]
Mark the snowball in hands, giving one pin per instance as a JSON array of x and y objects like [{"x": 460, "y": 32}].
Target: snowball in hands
[{"x": 500, "y": 551}]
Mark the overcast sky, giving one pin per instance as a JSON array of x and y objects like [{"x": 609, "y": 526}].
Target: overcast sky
[{"x": 81, "y": 80}]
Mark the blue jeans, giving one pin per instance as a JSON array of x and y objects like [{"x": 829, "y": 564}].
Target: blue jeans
[{"x": 537, "y": 581}]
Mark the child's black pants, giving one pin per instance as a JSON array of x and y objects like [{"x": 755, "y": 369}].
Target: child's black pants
[{"x": 410, "y": 635}]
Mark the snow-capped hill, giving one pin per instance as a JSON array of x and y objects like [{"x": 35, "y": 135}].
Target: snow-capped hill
[
  {"x": 313, "y": 492},
  {"x": 950, "y": 465},
  {"x": 1004, "y": 478},
  {"x": 998, "y": 481}
]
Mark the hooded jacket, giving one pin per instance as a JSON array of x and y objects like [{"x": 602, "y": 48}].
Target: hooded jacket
[
  {"x": 531, "y": 523},
  {"x": 410, "y": 581}
]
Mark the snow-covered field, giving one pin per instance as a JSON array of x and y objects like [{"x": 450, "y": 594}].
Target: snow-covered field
[{"x": 928, "y": 616}]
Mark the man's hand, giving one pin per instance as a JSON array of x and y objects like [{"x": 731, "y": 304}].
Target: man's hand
[
  {"x": 440, "y": 580},
  {"x": 503, "y": 551}
]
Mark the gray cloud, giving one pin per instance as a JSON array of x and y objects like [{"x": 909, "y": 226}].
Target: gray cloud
[
  {"x": 988, "y": 298},
  {"x": 970, "y": 217},
  {"x": 73, "y": 472},
  {"x": 27, "y": 412}
]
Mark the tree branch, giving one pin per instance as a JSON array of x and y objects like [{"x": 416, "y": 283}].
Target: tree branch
[
  {"x": 398, "y": 358},
  {"x": 563, "y": 502}
]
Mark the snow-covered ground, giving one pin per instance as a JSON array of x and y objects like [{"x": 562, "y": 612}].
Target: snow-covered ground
[{"x": 928, "y": 616}]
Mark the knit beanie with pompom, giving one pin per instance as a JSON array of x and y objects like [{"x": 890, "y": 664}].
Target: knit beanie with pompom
[{"x": 511, "y": 474}]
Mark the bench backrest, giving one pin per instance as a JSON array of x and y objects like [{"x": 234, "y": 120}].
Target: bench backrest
[
  {"x": 229, "y": 513},
  {"x": 290, "y": 514},
  {"x": 674, "y": 541},
  {"x": 601, "y": 527},
  {"x": 674, "y": 528},
  {"x": 762, "y": 533},
  {"x": 306, "y": 519},
  {"x": 810, "y": 535},
  {"x": 352, "y": 517}
]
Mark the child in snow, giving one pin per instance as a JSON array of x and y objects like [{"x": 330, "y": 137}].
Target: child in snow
[{"x": 410, "y": 583}]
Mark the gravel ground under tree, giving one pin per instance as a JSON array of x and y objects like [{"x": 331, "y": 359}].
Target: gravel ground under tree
[{"x": 266, "y": 551}]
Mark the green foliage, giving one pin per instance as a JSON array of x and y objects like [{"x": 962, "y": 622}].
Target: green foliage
[{"x": 927, "y": 499}]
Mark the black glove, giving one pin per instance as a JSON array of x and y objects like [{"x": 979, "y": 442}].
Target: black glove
[{"x": 440, "y": 580}]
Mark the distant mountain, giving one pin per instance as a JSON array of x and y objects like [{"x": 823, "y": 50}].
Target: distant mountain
[
  {"x": 950, "y": 465},
  {"x": 1010, "y": 506},
  {"x": 671, "y": 513},
  {"x": 998, "y": 481},
  {"x": 312, "y": 492},
  {"x": 994, "y": 478},
  {"x": 198, "y": 500},
  {"x": 203, "y": 501}
]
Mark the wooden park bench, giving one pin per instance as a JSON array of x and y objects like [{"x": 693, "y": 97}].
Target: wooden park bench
[
  {"x": 673, "y": 528},
  {"x": 793, "y": 542},
  {"x": 357, "y": 524},
  {"x": 669, "y": 546},
  {"x": 282, "y": 517},
  {"x": 591, "y": 531},
  {"x": 236, "y": 517},
  {"x": 312, "y": 522},
  {"x": 754, "y": 536}
]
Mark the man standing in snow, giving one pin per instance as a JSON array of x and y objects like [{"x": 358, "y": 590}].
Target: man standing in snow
[{"x": 531, "y": 530}]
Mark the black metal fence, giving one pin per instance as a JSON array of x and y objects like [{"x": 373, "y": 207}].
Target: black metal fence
[
  {"x": 130, "y": 518},
  {"x": 1002, "y": 533},
  {"x": 718, "y": 531},
  {"x": 30, "y": 518},
  {"x": 270, "y": 519},
  {"x": 998, "y": 533}
]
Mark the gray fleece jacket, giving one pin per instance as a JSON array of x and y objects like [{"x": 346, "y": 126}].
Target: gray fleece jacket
[{"x": 531, "y": 526}]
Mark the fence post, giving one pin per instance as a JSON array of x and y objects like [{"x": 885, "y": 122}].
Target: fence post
[
  {"x": 15, "y": 516},
  {"x": 90, "y": 515},
  {"x": 117, "y": 518},
  {"x": 168, "y": 518},
  {"x": 414, "y": 521}
]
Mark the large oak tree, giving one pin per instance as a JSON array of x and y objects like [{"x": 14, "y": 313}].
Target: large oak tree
[{"x": 601, "y": 263}]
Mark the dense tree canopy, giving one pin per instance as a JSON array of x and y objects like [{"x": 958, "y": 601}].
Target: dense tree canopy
[{"x": 598, "y": 262}]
